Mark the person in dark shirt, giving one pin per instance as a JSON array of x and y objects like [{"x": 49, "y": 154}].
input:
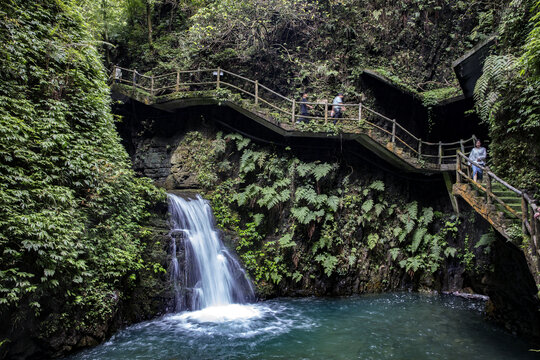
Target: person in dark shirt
[{"x": 304, "y": 106}]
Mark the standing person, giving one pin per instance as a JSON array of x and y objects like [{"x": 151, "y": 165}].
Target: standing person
[
  {"x": 337, "y": 110},
  {"x": 304, "y": 108},
  {"x": 117, "y": 74},
  {"x": 135, "y": 76},
  {"x": 478, "y": 155}
]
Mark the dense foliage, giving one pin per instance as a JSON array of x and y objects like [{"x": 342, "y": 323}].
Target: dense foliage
[
  {"x": 294, "y": 223},
  {"x": 293, "y": 45},
  {"x": 508, "y": 96},
  {"x": 71, "y": 225}
]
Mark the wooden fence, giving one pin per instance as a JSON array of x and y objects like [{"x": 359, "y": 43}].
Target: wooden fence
[
  {"x": 529, "y": 225},
  {"x": 357, "y": 118}
]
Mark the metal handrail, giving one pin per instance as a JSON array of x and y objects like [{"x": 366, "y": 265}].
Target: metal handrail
[{"x": 390, "y": 133}]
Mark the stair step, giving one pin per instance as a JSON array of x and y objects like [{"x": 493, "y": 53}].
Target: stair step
[
  {"x": 504, "y": 192},
  {"x": 510, "y": 201}
]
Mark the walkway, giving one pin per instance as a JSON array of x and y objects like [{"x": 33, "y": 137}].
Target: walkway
[
  {"x": 383, "y": 136},
  {"x": 509, "y": 210}
]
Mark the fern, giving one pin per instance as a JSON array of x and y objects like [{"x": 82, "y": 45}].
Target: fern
[
  {"x": 333, "y": 202},
  {"x": 306, "y": 193},
  {"x": 242, "y": 143},
  {"x": 412, "y": 210},
  {"x": 367, "y": 206},
  {"x": 377, "y": 185},
  {"x": 435, "y": 251},
  {"x": 450, "y": 251},
  {"x": 249, "y": 193},
  {"x": 495, "y": 78},
  {"x": 372, "y": 240},
  {"x": 283, "y": 182},
  {"x": 320, "y": 171},
  {"x": 286, "y": 241},
  {"x": 351, "y": 259},
  {"x": 427, "y": 216},
  {"x": 302, "y": 214},
  {"x": 409, "y": 226},
  {"x": 304, "y": 169},
  {"x": 417, "y": 239},
  {"x": 328, "y": 262},
  {"x": 379, "y": 209},
  {"x": 394, "y": 252},
  {"x": 250, "y": 160},
  {"x": 246, "y": 162},
  {"x": 269, "y": 198},
  {"x": 486, "y": 240},
  {"x": 257, "y": 219},
  {"x": 284, "y": 195}
]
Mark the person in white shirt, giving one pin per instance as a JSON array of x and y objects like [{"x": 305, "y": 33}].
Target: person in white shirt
[
  {"x": 337, "y": 110},
  {"x": 478, "y": 155}
]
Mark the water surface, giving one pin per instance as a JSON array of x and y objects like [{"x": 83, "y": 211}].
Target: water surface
[{"x": 388, "y": 326}]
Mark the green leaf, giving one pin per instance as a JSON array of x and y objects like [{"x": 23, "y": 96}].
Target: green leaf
[
  {"x": 377, "y": 185},
  {"x": 367, "y": 206}
]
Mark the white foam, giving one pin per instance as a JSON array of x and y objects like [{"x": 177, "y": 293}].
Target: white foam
[{"x": 220, "y": 314}]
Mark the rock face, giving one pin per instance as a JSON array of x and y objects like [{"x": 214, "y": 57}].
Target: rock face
[{"x": 157, "y": 159}]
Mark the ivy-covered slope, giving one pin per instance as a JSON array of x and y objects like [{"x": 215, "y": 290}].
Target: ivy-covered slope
[
  {"x": 72, "y": 211},
  {"x": 508, "y": 97}
]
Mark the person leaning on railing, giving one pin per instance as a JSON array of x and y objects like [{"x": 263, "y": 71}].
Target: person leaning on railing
[{"x": 478, "y": 155}]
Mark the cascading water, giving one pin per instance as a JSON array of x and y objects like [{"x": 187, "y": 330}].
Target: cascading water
[
  {"x": 212, "y": 277},
  {"x": 409, "y": 326}
]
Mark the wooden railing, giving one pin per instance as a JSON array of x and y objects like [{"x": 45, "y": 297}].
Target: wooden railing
[
  {"x": 357, "y": 118},
  {"x": 529, "y": 225}
]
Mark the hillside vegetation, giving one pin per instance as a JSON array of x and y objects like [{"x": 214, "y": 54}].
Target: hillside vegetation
[{"x": 72, "y": 230}]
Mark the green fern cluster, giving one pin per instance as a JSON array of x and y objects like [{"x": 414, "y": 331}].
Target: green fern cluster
[{"x": 295, "y": 221}]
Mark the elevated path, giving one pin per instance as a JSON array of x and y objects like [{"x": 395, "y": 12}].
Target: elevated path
[
  {"x": 381, "y": 135},
  {"x": 509, "y": 210}
]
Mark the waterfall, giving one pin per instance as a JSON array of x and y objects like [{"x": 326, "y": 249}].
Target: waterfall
[{"x": 211, "y": 276}]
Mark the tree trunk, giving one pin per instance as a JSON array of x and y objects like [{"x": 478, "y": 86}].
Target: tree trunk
[{"x": 149, "y": 21}]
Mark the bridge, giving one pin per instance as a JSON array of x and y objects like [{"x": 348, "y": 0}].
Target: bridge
[{"x": 509, "y": 210}]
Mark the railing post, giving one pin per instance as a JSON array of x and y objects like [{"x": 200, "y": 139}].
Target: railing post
[
  {"x": 458, "y": 169},
  {"x": 488, "y": 186},
  {"x": 152, "y": 85},
  {"x": 325, "y": 111},
  {"x": 440, "y": 152},
  {"x": 256, "y": 92},
  {"x": 359, "y": 113},
  {"x": 419, "y": 148},
  {"x": 293, "y": 110},
  {"x": 393, "y": 131},
  {"x": 461, "y": 146},
  {"x": 524, "y": 214},
  {"x": 134, "y": 79},
  {"x": 177, "y": 81},
  {"x": 218, "y": 77}
]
